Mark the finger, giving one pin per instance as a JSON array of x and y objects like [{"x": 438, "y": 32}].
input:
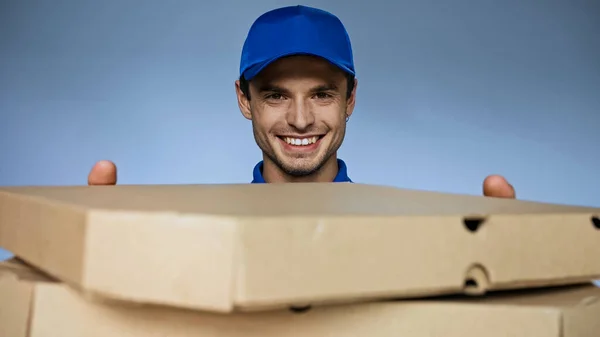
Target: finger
[
  {"x": 104, "y": 172},
  {"x": 497, "y": 186}
]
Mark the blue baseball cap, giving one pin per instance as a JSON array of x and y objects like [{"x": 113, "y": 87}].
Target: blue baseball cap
[{"x": 295, "y": 30}]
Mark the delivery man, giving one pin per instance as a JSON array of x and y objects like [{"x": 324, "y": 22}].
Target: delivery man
[{"x": 297, "y": 86}]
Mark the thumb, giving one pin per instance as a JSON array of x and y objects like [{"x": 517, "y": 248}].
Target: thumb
[
  {"x": 104, "y": 172},
  {"x": 497, "y": 186}
]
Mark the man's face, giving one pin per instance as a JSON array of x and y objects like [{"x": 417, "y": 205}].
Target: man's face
[{"x": 298, "y": 107}]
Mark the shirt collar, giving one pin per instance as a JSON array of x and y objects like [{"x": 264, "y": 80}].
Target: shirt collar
[{"x": 341, "y": 177}]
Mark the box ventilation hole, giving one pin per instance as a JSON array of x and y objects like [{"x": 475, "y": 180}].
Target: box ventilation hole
[
  {"x": 596, "y": 222},
  {"x": 470, "y": 283},
  {"x": 300, "y": 309},
  {"x": 476, "y": 280},
  {"x": 472, "y": 224}
]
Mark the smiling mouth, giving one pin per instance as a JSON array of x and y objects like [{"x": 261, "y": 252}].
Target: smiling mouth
[{"x": 301, "y": 141}]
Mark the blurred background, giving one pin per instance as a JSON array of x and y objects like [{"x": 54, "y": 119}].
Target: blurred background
[{"x": 448, "y": 93}]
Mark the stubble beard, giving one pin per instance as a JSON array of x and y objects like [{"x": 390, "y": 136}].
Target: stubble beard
[{"x": 296, "y": 172}]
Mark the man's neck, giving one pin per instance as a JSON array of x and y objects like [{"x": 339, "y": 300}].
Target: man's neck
[{"x": 327, "y": 173}]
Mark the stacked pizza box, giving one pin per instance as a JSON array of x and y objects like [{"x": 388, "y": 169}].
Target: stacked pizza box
[{"x": 283, "y": 260}]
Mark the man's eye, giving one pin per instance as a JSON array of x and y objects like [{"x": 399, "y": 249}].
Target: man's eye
[
  {"x": 274, "y": 96},
  {"x": 322, "y": 95}
]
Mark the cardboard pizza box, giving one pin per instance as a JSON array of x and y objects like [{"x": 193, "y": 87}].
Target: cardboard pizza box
[
  {"x": 249, "y": 247},
  {"x": 33, "y": 305}
]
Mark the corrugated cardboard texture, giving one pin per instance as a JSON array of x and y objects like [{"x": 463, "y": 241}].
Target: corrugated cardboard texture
[
  {"x": 257, "y": 247},
  {"x": 35, "y": 306}
]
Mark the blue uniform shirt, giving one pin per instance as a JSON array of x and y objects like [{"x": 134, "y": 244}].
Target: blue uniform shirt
[{"x": 341, "y": 177}]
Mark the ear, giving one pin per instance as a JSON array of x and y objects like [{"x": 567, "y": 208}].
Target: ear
[
  {"x": 243, "y": 101},
  {"x": 351, "y": 102}
]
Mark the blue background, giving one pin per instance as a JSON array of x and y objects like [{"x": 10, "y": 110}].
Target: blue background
[{"x": 448, "y": 93}]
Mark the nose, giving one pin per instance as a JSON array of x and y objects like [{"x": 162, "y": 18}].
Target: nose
[{"x": 300, "y": 115}]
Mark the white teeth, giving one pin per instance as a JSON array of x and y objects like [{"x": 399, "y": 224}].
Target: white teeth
[{"x": 301, "y": 141}]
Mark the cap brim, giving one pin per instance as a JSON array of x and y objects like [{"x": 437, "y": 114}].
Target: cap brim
[{"x": 255, "y": 69}]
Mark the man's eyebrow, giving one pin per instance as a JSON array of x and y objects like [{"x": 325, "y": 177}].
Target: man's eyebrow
[
  {"x": 271, "y": 88},
  {"x": 274, "y": 88},
  {"x": 325, "y": 87}
]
